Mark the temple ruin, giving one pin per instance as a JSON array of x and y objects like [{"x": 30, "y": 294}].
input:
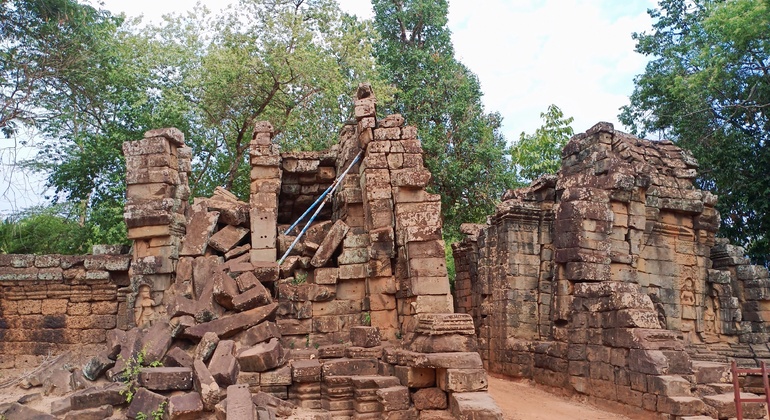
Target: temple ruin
[
  {"x": 348, "y": 314},
  {"x": 605, "y": 280}
]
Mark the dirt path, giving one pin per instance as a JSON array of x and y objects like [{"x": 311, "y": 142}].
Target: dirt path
[{"x": 520, "y": 401}]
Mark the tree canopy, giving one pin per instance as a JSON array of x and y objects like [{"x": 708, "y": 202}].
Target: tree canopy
[
  {"x": 707, "y": 87},
  {"x": 464, "y": 148},
  {"x": 539, "y": 153}
]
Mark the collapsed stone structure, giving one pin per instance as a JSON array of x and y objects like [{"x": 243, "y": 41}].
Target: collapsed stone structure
[
  {"x": 607, "y": 280},
  {"x": 248, "y": 319}
]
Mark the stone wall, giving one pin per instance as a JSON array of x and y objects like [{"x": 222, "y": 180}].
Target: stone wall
[
  {"x": 55, "y": 303},
  {"x": 607, "y": 279}
]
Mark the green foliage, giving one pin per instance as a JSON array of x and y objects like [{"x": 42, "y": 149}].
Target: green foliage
[
  {"x": 708, "y": 89},
  {"x": 540, "y": 153},
  {"x": 367, "y": 319},
  {"x": 130, "y": 374},
  {"x": 47, "y": 230},
  {"x": 440, "y": 96},
  {"x": 299, "y": 278}
]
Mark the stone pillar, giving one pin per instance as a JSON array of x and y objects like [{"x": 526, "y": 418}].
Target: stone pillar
[
  {"x": 157, "y": 190},
  {"x": 263, "y": 199}
]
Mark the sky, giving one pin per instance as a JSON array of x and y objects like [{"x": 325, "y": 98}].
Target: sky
[{"x": 528, "y": 54}]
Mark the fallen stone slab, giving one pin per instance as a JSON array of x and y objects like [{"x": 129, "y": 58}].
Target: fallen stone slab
[
  {"x": 474, "y": 405},
  {"x": 279, "y": 406},
  {"x": 98, "y": 413},
  {"x": 261, "y": 357},
  {"x": 224, "y": 365},
  {"x": 97, "y": 397},
  {"x": 227, "y": 238},
  {"x": 198, "y": 231},
  {"x": 185, "y": 407},
  {"x": 225, "y": 289},
  {"x": 239, "y": 403},
  {"x": 330, "y": 244},
  {"x": 144, "y": 403},
  {"x": 176, "y": 357},
  {"x": 252, "y": 298},
  {"x": 18, "y": 411},
  {"x": 166, "y": 378},
  {"x": 205, "y": 385},
  {"x": 205, "y": 348},
  {"x": 230, "y": 325},
  {"x": 260, "y": 333}
]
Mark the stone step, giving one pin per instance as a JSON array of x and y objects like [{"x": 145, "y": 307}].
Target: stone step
[
  {"x": 725, "y": 406},
  {"x": 711, "y": 372}
]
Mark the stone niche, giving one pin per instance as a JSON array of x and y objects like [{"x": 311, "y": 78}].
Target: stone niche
[{"x": 606, "y": 279}]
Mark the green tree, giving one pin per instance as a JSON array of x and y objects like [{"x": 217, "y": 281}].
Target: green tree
[
  {"x": 294, "y": 63},
  {"x": 464, "y": 148},
  {"x": 708, "y": 88},
  {"x": 47, "y": 230},
  {"x": 540, "y": 153}
]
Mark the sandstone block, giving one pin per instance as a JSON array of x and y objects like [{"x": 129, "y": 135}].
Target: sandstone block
[
  {"x": 252, "y": 298},
  {"x": 362, "y": 336},
  {"x": 394, "y": 398},
  {"x": 261, "y": 357},
  {"x": 430, "y": 399},
  {"x": 239, "y": 403},
  {"x": 461, "y": 380},
  {"x": 97, "y": 397},
  {"x": 474, "y": 405},
  {"x": 205, "y": 385},
  {"x": 144, "y": 402},
  {"x": 349, "y": 367},
  {"x": 231, "y": 325},
  {"x": 416, "y": 377},
  {"x": 166, "y": 378},
  {"x": 330, "y": 243},
  {"x": 227, "y": 238},
  {"x": 223, "y": 365},
  {"x": 185, "y": 407},
  {"x": 198, "y": 231},
  {"x": 304, "y": 371}
]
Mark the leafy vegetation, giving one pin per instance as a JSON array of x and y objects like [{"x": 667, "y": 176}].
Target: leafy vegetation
[
  {"x": 540, "y": 153},
  {"x": 707, "y": 87},
  {"x": 464, "y": 148},
  {"x": 130, "y": 374}
]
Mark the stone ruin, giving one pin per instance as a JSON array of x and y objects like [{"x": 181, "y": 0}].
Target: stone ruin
[
  {"x": 606, "y": 280},
  {"x": 201, "y": 320}
]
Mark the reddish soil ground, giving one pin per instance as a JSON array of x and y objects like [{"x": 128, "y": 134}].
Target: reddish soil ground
[{"x": 520, "y": 400}]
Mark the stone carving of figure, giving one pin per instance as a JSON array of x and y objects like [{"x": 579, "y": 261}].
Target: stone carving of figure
[
  {"x": 687, "y": 297},
  {"x": 143, "y": 307}
]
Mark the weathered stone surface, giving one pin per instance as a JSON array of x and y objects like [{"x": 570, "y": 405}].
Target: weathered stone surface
[
  {"x": 281, "y": 407},
  {"x": 461, "y": 380},
  {"x": 176, "y": 357},
  {"x": 231, "y": 325},
  {"x": 205, "y": 385},
  {"x": 185, "y": 407},
  {"x": 166, "y": 378},
  {"x": 259, "y": 333},
  {"x": 223, "y": 365},
  {"x": 349, "y": 367},
  {"x": 430, "y": 399},
  {"x": 96, "y": 366},
  {"x": 261, "y": 357},
  {"x": 306, "y": 370},
  {"x": 144, "y": 402},
  {"x": 18, "y": 411},
  {"x": 198, "y": 231},
  {"x": 365, "y": 336},
  {"x": 394, "y": 398},
  {"x": 97, "y": 413},
  {"x": 206, "y": 346},
  {"x": 330, "y": 243},
  {"x": 725, "y": 406},
  {"x": 474, "y": 405},
  {"x": 239, "y": 403},
  {"x": 252, "y": 298},
  {"x": 225, "y": 290},
  {"x": 416, "y": 377},
  {"x": 227, "y": 238},
  {"x": 97, "y": 397}
]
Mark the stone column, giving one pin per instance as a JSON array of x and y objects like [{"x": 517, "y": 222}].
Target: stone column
[
  {"x": 157, "y": 190},
  {"x": 263, "y": 199}
]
